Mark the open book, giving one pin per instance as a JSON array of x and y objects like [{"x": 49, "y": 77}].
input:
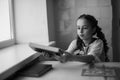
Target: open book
[
  {"x": 47, "y": 49},
  {"x": 99, "y": 71}
]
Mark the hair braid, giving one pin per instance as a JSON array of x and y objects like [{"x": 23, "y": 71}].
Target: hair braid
[{"x": 101, "y": 35}]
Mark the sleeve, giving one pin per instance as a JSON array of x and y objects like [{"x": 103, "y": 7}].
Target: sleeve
[
  {"x": 96, "y": 50},
  {"x": 72, "y": 46}
]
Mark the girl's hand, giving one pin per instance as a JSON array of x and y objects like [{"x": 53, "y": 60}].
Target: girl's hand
[
  {"x": 46, "y": 55},
  {"x": 64, "y": 58}
]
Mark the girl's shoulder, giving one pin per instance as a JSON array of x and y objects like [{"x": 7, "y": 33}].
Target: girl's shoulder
[
  {"x": 97, "y": 41},
  {"x": 74, "y": 41}
]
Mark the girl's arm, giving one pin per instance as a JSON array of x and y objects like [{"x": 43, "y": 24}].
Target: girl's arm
[
  {"x": 83, "y": 58},
  {"x": 71, "y": 57},
  {"x": 72, "y": 46}
]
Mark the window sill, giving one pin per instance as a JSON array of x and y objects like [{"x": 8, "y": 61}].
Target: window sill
[{"x": 14, "y": 58}]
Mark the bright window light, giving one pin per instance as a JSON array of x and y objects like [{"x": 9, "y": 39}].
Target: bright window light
[{"x": 5, "y": 23}]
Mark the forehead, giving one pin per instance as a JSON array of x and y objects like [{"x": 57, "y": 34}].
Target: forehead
[{"x": 82, "y": 21}]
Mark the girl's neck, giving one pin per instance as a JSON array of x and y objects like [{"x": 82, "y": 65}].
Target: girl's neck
[{"x": 88, "y": 41}]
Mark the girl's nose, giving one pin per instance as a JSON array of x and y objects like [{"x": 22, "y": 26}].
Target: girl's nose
[{"x": 81, "y": 30}]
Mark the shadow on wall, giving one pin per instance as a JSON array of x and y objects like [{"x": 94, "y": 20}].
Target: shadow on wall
[
  {"x": 65, "y": 22},
  {"x": 66, "y": 39}
]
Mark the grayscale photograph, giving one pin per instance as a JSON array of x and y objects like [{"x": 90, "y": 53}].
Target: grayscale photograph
[{"x": 59, "y": 39}]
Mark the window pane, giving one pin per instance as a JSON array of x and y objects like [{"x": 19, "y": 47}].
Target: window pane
[{"x": 4, "y": 21}]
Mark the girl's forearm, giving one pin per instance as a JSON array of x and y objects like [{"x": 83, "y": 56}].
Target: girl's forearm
[{"x": 83, "y": 58}]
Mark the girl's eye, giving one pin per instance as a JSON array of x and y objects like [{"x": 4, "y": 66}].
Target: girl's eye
[
  {"x": 78, "y": 28},
  {"x": 85, "y": 28},
  {"x": 82, "y": 28}
]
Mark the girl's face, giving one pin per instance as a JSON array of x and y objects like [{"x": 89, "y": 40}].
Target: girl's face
[{"x": 84, "y": 29}]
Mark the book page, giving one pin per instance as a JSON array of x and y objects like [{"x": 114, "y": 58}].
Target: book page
[
  {"x": 99, "y": 71},
  {"x": 43, "y": 48}
]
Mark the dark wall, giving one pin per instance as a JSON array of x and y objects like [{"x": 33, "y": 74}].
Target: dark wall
[
  {"x": 50, "y": 18},
  {"x": 116, "y": 30}
]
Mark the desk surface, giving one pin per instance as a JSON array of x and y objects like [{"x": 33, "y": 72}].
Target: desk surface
[
  {"x": 68, "y": 71},
  {"x": 13, "y": 58}
]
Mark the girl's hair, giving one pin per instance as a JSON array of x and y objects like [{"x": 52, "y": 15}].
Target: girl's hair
[{"x": 94, "y": 24}]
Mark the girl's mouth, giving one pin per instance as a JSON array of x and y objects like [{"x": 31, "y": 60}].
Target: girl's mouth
[{"x": 81, "y": 35}]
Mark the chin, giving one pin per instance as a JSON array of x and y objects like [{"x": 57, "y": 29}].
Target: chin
[{"x": 83, "y": 38}]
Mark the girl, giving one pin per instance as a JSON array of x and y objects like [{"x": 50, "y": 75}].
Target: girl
[{"x": 90, "y": 44}]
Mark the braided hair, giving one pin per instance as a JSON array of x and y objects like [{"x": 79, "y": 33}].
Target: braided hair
[{"x": 94, "y": 24}]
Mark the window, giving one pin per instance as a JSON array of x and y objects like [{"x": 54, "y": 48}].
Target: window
[{"x": 6, "y": 25}]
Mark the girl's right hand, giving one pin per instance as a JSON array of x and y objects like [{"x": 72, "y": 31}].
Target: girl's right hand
[
  {"x": 64, "y": 58},
  {"x": 46, "y": 55}
]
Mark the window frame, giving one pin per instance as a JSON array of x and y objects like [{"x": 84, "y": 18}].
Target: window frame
[{"x": 10, "y": 42}]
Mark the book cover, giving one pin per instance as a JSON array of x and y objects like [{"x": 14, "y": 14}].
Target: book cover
[
  {"x": 41, "y": 48},
  {"x": 36, "y": 70},
  {"x": 99, "y": 71},
  {"x": 47, "y": 49}
]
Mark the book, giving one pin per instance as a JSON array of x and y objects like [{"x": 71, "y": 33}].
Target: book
[
  {"x": 35, "y": 70},
  {"x": 47, "y": 49},
  {"x": 99, "y": 71}
]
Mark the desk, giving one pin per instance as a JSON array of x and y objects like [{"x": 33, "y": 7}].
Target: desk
[
  {"x": 14, "y": 58},
  {"x": 68, "y": 71}
]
